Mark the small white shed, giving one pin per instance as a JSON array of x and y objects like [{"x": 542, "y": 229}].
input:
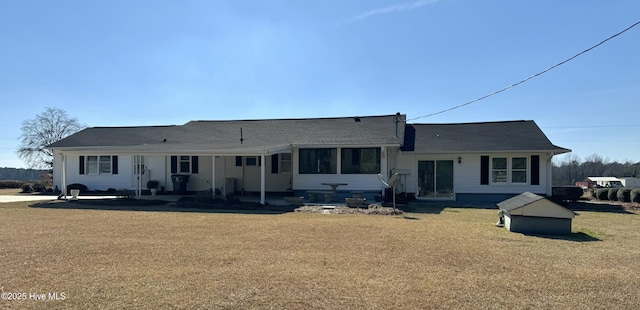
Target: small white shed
[{"x": 533, "y": 214}]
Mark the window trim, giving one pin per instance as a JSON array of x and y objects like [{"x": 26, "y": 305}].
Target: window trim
[
  {"x": 100, "y": 163},
  {"x": 181, "y": 161},
  {"x": 251, "y": 161},
  {"x": 510, "y": 170},
  {"x": 176, "y": 164},
  {"x": 525, "y": 169},
  {"x": 492, "y": 170},
  {"x": 282, "y": 162}
]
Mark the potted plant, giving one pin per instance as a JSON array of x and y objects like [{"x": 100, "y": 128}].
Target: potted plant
[{"x": 153, "y": 185}]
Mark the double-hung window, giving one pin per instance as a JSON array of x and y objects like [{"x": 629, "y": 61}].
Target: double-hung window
[
  {"x": 184, "y": 164},
  {"x": 518, "y": 170},
  {"x": 98, "y": 164},
  {"x": 509, "y": 170},
  {"x": 499, "y": 170},
  {"x": 285, "y": 163}
]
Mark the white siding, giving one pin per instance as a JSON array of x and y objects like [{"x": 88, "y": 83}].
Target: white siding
[
  {"x": 157, "y": 171},
  {"x": 467, "y": 173},
  {"x": 158, "y": 167},
  {"x": 366, "y": 182},
  {"x": 122, "y": 180},
  {"x": 248, "y": 177}
]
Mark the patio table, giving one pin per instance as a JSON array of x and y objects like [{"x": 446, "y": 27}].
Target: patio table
[{"x": 334, "y": 186}]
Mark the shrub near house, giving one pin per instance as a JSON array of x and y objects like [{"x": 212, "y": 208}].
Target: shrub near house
[{"x": 617, "y": 194}]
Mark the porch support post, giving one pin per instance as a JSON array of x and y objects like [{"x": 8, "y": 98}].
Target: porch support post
[
  {"x": 64, "y": 175},
  {"x": 262, "y": 180},
  {"x": 384, "y": 167},
  {"x": 213, "y": 176},
  {"x": 384, "y": 162}
]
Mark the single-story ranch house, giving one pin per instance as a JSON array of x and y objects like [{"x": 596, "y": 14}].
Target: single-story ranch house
[{"x": 488, "y": 161}]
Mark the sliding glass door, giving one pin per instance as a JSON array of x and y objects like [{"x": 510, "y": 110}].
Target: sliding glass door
[{"x": 435, "y": 178}]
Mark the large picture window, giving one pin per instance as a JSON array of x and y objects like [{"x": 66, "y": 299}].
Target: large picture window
[
  {"x": 360, "y": 161},
  {"x": 318, "y": 161}
]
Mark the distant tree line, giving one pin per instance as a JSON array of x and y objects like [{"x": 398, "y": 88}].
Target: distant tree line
[
  {"x": 21, "y": 174},
  {"x": 572, "y": 169}
]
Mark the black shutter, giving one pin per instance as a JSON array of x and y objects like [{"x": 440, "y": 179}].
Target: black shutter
[
  {"x": 259, "y": 161},
  {"x": 274, "y": 163},
  {"x": 114, "y": 164},
  {"x": 238, "y": 161},
  {"x": 535, "y": 169},
  {"x": 81, "y": 166},
  {"x": 194, "y": 164},
  {"x": 174, "y": 164},
  {"x": 484, "y": 170}
]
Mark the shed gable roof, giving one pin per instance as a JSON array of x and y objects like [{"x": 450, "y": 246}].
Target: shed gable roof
[{"x": 530, "y": 204}]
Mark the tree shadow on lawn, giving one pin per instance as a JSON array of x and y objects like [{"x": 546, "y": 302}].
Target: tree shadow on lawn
[
  {"x": 581, "y": 205},
  {"x": 437, "y": 207},
  {"x": 123, "y": 204},
  {"x": 575, "y": 237}
]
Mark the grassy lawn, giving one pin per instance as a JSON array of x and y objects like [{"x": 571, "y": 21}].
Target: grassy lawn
[
  {"x": 455, "y": 258},
  {"x": 9, "y": 191}
]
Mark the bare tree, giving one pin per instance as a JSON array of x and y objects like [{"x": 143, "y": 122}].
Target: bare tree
[{"x": 48, "y": 127}]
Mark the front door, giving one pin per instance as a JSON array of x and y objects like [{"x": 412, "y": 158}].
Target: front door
[
  {"x": 139, "y": 177},
  {"x": 435, "y": 179}
]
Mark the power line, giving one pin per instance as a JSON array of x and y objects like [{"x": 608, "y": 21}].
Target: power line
[
  {"x": 590, "y": 126},
  {"x": 529, "y": 78}
]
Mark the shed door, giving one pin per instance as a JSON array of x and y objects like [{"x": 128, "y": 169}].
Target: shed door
[{"x": 435, "y": 179}]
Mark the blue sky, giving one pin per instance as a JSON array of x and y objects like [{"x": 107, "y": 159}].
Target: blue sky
[{"x": 128, "y": 63}]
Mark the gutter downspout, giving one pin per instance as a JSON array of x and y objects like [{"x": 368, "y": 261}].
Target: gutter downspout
[
  {"x": 262, "y": 180},
  {"x": 213, "y": 176},
  {"x": 64, "y": 175},
  {"x": 549, "y": 174}
]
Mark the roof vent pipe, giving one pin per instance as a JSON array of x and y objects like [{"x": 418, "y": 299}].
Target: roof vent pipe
[{"x": 397, "y": 120}]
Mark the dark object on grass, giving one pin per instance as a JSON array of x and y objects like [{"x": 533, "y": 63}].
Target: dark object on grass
[
  {"x": 83, "y": 188},
  {"x": 566, "y": 193}
]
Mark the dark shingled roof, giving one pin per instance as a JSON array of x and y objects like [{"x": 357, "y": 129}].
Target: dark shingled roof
[
  {"x": 486, "y": 136},
  {"x": 257, "y": 135},
  {"x": 519, "y": 201}
]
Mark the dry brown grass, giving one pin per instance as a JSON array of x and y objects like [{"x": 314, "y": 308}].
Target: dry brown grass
[
  {"x": 454, "y": 259},
  {"x": 9, "y": 191}
]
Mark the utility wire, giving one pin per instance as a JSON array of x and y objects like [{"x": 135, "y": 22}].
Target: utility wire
[{"x": 529, "y": 78}]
